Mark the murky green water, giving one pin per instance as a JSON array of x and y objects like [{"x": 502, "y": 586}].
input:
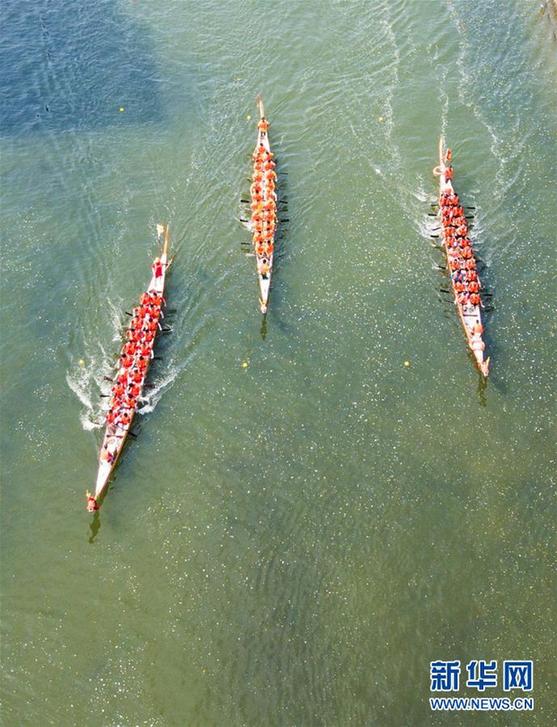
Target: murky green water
[{"x": 293, "y": 542}]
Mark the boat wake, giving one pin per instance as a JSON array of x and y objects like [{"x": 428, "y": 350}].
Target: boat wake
[
  {"x": 85, "y": 377},
  {"x": 82, "y": 380}
]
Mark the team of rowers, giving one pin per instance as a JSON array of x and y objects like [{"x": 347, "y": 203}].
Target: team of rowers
[
  {"x": 462, "y": 262},
  {"x": 263, "y": 203},
  {"x": 133, "y": 363}
]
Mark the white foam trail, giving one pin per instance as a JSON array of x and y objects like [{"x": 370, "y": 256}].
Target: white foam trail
[
  {"x": 159, "y": 387},
  {"x": 81, "y": 380},
  {"x": 79, "y": 386},
  {"x": 115, "y": 319}
]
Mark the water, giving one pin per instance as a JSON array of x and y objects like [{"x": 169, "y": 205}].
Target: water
[{"x": 291, "y": 542}]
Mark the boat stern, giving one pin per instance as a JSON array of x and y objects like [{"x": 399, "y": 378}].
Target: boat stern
[{"x": 264, "y": 288}]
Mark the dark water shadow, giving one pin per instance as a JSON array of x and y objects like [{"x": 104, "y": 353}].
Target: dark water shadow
[
  {"x": 94, "y": 527},
  {"x": 482, "y": 389},
  {"x": 67, "y": 65},
  {"x": 263, "y": 330}
]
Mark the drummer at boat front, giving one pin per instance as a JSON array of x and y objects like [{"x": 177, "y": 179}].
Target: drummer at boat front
[
  {"x": 157, "y": 267},
  {"x": 265, "y": 269}
]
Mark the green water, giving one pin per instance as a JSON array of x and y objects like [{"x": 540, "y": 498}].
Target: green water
[{"x": 293, "y": 542}]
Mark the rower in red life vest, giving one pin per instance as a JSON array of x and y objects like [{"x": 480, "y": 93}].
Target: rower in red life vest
[
  {"x": 126, "y": 361},
  {"x": 123, "y": 420},
  {"x": 475, "y": 299},
  {"x": 118, "y": 390},
  {"x": 147, "y": 350},
  {"x": 122, "y": 378}
]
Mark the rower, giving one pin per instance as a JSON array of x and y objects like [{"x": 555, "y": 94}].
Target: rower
[
  {"x": 126, "y": 361},
  {"x": 263, "y": 125},
  {"x": 129, "y": 348},
  {"x": 118, "y": 391},
  {"x": 123, "y": 420},
  {"x": 122, "y": 378}
]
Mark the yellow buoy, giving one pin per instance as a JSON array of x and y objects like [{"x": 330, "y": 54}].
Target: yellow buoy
[
  {"x": 248, "y": 117},
  {"x": 407, "y": 364},
  {"x": 121, "y": 109},
  {"x": 381, "y": 118},
  {"x": 245, "y": 364},
  {"x": 81, "y": 362}
]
